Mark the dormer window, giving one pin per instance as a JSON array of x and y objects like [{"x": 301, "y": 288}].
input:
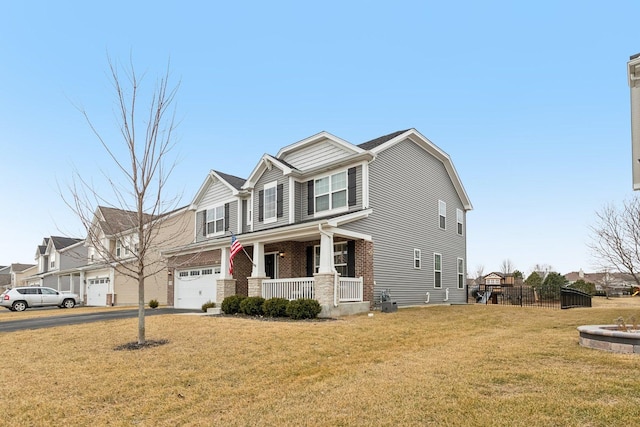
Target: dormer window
[
  {"x": 331, "y": 192},
  {"x": 118, "y": 248},
  {"x": 215, "y": 220},
  {"x": 270, "y": 202}
]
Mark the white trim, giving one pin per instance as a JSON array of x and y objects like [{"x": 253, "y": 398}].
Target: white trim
[
  {"x": 365, "y": 185},
  {"x": 442, "y": 212},
  {"x": 265, "y": 163},
  {"x": 343, "y": 219},
  {"x": 211, "y": 178},
  {"x": 435, "y": 254},
  {"x": 292, "y": 196},
  {"x": 331, "y": 210},
  {"x": 460, "y": 221},
  {"x": 316, "y": 138},
  {"x": 417, "y": 256},
  {"x": 268, "y": 186},
  {"x": 353, "y": 235},
  {"x": 214, "y": 208},
  {"x": 460, "y": 273}
]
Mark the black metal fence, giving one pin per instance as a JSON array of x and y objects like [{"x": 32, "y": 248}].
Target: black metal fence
[{"x": 526, "y": 296}]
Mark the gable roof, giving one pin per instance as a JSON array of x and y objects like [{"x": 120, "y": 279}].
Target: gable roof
[
  {"x": 63, "y": 242},
  {"x": 17, "y": 267},
  {"x": 116, "y": 221},
  {"x": 369, "y": 145},
  {"x": 385, "y": 142},
  {"x": 265, "y": 163},
  {"x": 234, "y": 183}
]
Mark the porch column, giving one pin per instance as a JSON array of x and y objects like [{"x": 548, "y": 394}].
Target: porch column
[
  {"x": 83, "y": 285},
  {"x": 326, "y": 253},
  {"x": 257, "y": 274},
  {"x": 225, "y": 284}
]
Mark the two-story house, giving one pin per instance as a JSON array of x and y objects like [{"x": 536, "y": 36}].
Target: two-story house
[
  {"x": 57, "y": 259},
  {"x": 334, "y": 221},
  {"x": 109, "y": 274}
]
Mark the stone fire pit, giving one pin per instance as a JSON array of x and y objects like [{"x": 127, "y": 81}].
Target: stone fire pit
[{"x": 609, "y": 338}]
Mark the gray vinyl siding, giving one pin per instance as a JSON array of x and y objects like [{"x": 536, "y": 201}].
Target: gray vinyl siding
[
  {"x": 74, "y": 257},
  {"x": 268, "y": 177},
  {"x": 304, "y": 191},
  {"x": 233, "y": 220},
  {"x": 405, "y": 185}
]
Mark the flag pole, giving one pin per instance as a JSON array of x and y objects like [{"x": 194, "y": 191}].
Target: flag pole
[{"x": 245, "y": 252}]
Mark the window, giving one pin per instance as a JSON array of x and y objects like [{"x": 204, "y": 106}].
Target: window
[
  {"x": 331, "y": 192},
  {"x": 118, "y": 248},
  {"x": 417, "y": 259},
  {"x": 194, "y": 272},
  {"x": 459, "y": 218},
  {"x": 52, "y": 260},
  {"x": 207, "y": 271},
  {"x": 250, "y": 210},
  {"x": 460, "y": 273},
  {"x": 442, "y": 213},
  {"x": 270, "y": 202},
  {"x": 183, "y": 274},
  {"x": 437, "y": 271},
  {"x": 340, "y": 257},
  {"x": 215, "y": 220}
]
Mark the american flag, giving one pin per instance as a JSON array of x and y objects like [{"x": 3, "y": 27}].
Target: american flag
[{"x": 236, "y": 247}]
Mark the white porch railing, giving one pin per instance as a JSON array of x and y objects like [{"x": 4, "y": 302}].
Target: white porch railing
[
  {"x": 290, "y": 289},
  {"x": 350, "y": 288}
]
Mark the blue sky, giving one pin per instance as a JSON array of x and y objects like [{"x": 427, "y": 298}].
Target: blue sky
[{"x": 529, "y": 99}]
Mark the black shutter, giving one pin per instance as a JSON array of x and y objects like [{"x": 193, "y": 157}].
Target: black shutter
[
  {"x": 279, "y": 200},
  {"x": 351, "y": 182},
  {"x": 261, "y": 205},
  {"x": 351, "y": 258},
  {"x": 310, "y": 198},
  {"x": 311, "y": 268},
  {"x": 204, "y": 223},
  {"x": 226, "y": 217}
]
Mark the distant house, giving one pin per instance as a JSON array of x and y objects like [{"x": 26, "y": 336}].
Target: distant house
[
  {"x": 5, "y": 276},
  {"x": 57, "y": 259},
  {"x": 107, "y": 270},
  {"x": 502, "y": 279},
  {"x": 330, "y": 220},
  {"x": 19, "y": 272},
  {"x": 616, "y": 283}
]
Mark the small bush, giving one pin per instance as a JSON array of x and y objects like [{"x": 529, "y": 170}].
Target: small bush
[
  {"x": 252, "y": 306},
  {"x": 303, "y": 308},
  {"x": 153, "y": 303},
  {"x": 275, "y": 307},
  {"x": 231, "y": 305},
  {"x": 207, "y": 305}
]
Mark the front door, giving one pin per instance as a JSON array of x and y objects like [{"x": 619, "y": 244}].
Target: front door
[{"x": 270, "y": 265}]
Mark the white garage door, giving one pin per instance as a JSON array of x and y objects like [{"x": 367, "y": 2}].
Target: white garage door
[
  {"x": 97, "y": 292},
  {"x": 195, "y": 286}
]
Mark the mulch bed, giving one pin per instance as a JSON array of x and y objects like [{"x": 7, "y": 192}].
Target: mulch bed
[{"x": 136, "y": 346}]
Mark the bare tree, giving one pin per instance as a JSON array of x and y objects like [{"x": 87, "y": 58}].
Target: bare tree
[
  {"x": 542, "y": 270},
  {"x": 137, "y": 190},
  {"x": 506, "y": 267},
  {"x": 616, "y": 238},
  {"x": 479, "y": 274}
]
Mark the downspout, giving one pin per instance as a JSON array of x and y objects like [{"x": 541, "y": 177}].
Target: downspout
[
  {"x": 446, "y": 294},
  {"x": 335, "y": 273},
  {"x": 428, "y": 297}
]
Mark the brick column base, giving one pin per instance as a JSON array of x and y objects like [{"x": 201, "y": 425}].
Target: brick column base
[
  {"x": 255, "y": 286},
  {"x": 224, "y": 288}
]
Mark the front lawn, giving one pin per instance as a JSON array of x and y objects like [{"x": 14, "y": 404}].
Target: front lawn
[{"x": 461, "y": 365}]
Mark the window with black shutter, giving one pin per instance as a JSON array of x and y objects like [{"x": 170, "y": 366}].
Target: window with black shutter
[{"x": 351, "y": 178}]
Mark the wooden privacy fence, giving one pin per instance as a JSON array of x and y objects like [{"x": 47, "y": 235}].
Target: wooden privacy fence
[{"x": 527, "y": 296}]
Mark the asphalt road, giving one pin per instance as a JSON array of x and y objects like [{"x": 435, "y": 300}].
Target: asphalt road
[{"x": 74, "y": 319}]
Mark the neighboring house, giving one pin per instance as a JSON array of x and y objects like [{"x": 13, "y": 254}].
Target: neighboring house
[
  {"x": 331, "y": 220},
  {"x": 57, "y": 259},
  {"x": 19, "y": 272},
  {"x": 495, "y": 278},
  {"x": 615, "y": 283},
  {"x": 5, "y": 276},
  {"x": 104, "y": 282}
]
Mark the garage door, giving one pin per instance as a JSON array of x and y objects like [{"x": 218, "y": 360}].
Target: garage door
[
  {"x": 97, "y": 292},
  {"x": 195, "y": 286}
]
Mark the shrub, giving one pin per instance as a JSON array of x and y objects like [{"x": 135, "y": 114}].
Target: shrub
[
  {"x": 303, "y": 308},
  {"x": 231, "y": 304},
  {"x": 207, "y": 305},
  {"x": 252, "y": 306},
  {"x": 153, "y": 303},
  {"x": 275, "y": 307}
]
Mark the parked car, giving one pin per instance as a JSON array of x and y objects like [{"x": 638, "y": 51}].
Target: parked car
[{"x": 21, "y": 298}]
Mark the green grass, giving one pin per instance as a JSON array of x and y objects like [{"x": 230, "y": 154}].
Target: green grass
[{"x": 460, "y": 365}]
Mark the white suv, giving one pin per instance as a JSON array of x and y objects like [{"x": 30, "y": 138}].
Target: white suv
[{"x": 19, "y": 299}]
